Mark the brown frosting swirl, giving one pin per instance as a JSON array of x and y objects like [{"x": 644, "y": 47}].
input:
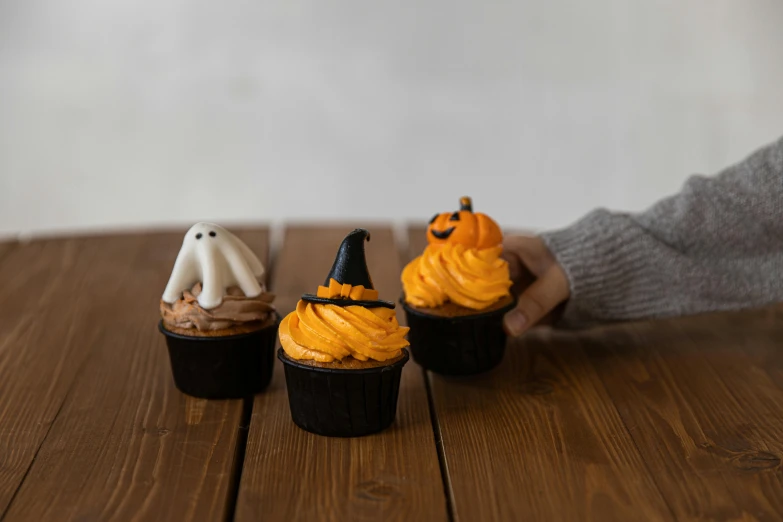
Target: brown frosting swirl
[{"x": 236, "y": 309}]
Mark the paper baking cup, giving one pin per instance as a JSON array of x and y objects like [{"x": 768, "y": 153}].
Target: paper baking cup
[
  {"x": 342, "y": 402},
  {"x": 227, "y": 367},
  {"x": 464, "y": 345}
]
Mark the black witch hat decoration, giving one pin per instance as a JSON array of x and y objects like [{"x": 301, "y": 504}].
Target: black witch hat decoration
[{"x": 349, "y": 282}]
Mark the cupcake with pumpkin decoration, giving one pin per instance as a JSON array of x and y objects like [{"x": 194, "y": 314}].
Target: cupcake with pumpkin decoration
[
  {"x": 343, "y": 351},
  {"x": 456, "y": 293}
]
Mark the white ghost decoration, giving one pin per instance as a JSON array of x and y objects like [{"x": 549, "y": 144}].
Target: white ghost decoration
[{"x": 218, "y": 259}]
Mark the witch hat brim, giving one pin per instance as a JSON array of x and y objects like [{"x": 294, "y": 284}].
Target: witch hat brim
[
  {"x": 350, "y": 267},
  {"x": 378, "y": 303}
]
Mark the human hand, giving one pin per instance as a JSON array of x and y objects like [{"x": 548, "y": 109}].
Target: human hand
[{"x": 539, "y": 282}]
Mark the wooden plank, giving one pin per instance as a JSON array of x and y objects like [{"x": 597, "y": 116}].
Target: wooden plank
[
  {"x": 6, "y": 247},
  {"x": 126, "y": 445},
  {"x": 40, "y": 352},
  {"x": 538, "y": 438},
  {"x": 290, "y": 474},
  {"x": 703, "y": 400}
]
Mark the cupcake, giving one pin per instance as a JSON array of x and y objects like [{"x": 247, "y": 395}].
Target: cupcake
[
  {"x": 218, "y": 319},
  {"x": 343, "y": 351},
  {"x": 456, "y": 293}
]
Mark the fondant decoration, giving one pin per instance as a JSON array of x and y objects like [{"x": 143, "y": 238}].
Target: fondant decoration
[
  {"x": 349, "y": 282},
  {"x": 345, "y": 317},
  {"x": 464, "y": 227},
  {"x": 218, "y": 259},
  {"x": 336, "y": 290}
]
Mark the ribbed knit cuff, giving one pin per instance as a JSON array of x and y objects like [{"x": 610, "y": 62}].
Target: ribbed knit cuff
[{"x": 606, "y": 262}]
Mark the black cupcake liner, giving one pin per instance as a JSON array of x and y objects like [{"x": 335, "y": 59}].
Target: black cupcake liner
[
  {"x": 342, "y": 402},
  {"x": 464, "y": 345},
  {"x": 227, "y": 367}
]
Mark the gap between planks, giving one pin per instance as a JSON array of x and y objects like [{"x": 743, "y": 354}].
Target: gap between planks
[
  {"x": 402, "y": 239},
  {"x": 239, "y": 459},
  {"x": 392, "y": 475},
  {"x": 535, "y": 438},
  {"x": 275, "y": 241},
  {"x": 448, "y": 491},
  {"x": 161, "y": 426}
]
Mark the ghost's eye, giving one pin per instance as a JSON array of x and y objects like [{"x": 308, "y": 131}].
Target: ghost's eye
[
  {"x": 198, "y": 236},
  {"x": 212, "y": 233},
  {"x": 454, "y": 217}
]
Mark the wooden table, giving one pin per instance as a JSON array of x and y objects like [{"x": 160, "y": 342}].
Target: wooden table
[{"x": 669, "y": 420}]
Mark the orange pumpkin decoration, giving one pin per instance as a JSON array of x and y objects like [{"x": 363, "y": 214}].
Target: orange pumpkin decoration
[{"x": 464, "y": 227}]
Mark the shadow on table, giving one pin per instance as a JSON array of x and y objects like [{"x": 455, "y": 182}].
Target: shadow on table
[
  {"x": 548, "y": 360},
  {"x": 530, "y": 370}
]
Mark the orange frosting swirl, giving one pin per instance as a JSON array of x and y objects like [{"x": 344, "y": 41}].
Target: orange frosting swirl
[
  {"x": 325, "y": 332},
  {"x": 469, "y": 277}
]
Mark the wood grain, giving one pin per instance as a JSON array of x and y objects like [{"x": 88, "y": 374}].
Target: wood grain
[
  {"x": 6, "y": 247},
  {"x": 45, "y": 336},
  {"x": 126, "y": 445},
  {"x": 290, "y": 474},
  {"x": 678, "y": 419},
  {"x": 702, "y": 398},
  {"x": 538, "y": 438}
]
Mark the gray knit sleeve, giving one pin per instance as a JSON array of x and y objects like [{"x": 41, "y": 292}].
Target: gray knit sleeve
[{"x": 717, "y": 245}]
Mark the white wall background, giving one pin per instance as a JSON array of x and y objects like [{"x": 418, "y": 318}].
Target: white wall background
[{"x": 127, "y": 113}]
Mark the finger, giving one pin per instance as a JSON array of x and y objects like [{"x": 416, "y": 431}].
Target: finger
[
  {"x": 520, "y": 244},
  {"x": 538, "y": 300},
  {"x": 515, "y": 265},
  {"x": 532, "y": 253},
  {"x": 516, "y": 251}
]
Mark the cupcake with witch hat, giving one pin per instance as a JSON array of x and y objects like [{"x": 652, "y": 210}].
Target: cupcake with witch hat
[
  {"x": 456, "y": 293},
  {"x": 343, "y": 351}
]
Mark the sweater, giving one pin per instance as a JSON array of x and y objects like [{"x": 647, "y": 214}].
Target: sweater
[{"x": 717, "y": 245}]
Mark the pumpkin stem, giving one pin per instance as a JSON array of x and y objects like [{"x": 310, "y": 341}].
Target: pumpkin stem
[{"x": 465, "y": 203}]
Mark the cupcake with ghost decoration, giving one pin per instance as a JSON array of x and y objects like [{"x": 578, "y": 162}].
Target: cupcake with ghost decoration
[
  {"x": 217, "y": 317},
  {"x": 343, "y": 351},
  {"x": 456, "y": 293}
]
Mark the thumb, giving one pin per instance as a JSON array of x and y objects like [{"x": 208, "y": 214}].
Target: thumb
[{"x": 537, "y": 301}]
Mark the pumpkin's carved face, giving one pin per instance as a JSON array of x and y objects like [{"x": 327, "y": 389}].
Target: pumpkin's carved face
[{"x": 464, "y": 227}]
